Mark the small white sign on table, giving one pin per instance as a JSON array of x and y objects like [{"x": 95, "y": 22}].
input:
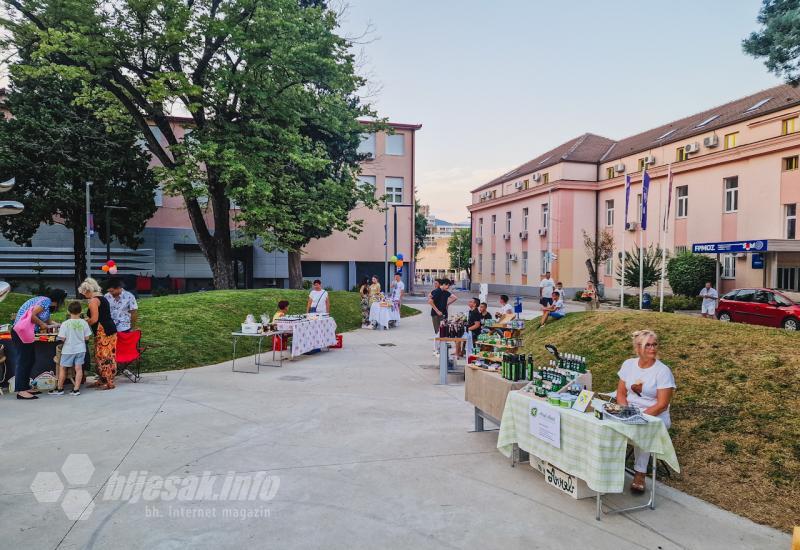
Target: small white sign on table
[{"x": 545, "y": 423}]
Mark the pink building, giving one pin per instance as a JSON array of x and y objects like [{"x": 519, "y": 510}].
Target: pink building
[{"x": 735, "y": 180}]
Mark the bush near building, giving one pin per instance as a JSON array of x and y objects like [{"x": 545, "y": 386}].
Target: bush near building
[
  {"x": 688, "y": 273},
  {"x": 671, "y": 303}
]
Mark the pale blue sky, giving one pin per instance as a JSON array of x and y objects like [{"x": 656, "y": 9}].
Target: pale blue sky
[{"x": 496, "y": 83}]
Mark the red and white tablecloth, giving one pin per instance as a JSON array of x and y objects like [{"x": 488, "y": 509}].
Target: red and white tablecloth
[{"x": 310, "y": 334}]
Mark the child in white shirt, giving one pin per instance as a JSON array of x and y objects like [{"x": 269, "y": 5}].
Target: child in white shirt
[{"x": 74, "y": 332}]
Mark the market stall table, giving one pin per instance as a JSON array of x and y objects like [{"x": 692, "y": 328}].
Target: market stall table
[
  {"x": 487, "y": 391},
  {"x": 309, "y": 334},
  {"x": 383, "y": 313},
  {"x": 444, "y": 359},
  {"x": 590, "y": 449},
  {"x": 44, "y": 355},
  {"x": 260, "y": 335}
]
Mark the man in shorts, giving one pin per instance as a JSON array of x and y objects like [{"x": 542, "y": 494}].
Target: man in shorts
[
  {"x": 710, "y": 296},
  {"x": 546, "y": 288}
]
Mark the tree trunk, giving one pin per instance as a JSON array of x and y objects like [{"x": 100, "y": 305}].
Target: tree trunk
[
  {"x": 592, "y": 272},
  {"x": 79, "y": 250},
  {"x": 222, "y": 266},
  {"x": 295, "y": 271}
]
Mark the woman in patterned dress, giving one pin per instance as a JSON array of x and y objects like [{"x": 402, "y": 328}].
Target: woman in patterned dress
[
  {"x": 363, "y": 291},
  {"x": 105, "y": 333}
]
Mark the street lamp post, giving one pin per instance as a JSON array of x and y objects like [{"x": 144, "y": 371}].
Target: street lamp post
[{"x": 395, "y": 207}]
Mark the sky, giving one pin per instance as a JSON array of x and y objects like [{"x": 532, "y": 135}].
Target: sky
[{"x": 496, "y": 83}]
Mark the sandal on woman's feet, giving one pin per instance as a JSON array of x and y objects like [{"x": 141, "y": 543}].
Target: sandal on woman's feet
[{"x": 638, "y": 483}]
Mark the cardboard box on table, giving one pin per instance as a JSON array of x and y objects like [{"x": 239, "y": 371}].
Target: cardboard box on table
[{"x": 488, "y": 390}]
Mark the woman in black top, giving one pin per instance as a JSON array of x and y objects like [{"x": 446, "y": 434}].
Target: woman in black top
[{"x": 105, "y": 333}]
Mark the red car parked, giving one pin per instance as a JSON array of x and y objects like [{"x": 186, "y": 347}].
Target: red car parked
[{"x": 760, "y": 306}]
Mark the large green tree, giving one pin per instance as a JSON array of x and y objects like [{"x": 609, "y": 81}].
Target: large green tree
[
  {"x": 269, "y": 91},
  {"x": 460, "y": 250},
  {"x": 420, "y": 228},
  {"x": 778, "y": 40},
  {"x": 53, "y": 146}
]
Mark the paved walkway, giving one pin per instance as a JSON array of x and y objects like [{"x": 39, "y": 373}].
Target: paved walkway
[{"x": 367, "y": 452}]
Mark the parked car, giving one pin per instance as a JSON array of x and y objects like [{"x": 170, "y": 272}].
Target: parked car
[{"x": 761, "y": 306}]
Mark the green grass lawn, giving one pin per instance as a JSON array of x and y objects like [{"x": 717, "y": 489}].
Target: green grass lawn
[
  {"x": 191, "y": 330},
  {"x": 735, "y": 414}
]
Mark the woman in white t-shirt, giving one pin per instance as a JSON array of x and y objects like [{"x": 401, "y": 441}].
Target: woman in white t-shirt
[
  {"x": 647, "y": 383},
  {"x": 318, "y": 299}
]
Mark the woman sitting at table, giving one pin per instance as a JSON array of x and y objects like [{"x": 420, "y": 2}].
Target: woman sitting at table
[
  {"x": 647, "y": 383},
  {"x": 283, "y": 310},
  {"x": 40, "y": 309}
]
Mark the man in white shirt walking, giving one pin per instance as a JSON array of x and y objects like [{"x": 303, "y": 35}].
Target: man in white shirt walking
[
  {"x": 546, "y": 288},
  {"x": 710, "y": 297}
]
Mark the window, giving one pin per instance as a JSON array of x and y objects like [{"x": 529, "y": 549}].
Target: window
[
  {"x": 508, "y": 263},
  {"x": 609, "y": 266},
  {"x": 780, "y": 300},
  {"x": 158, "y": 196},
  {"x": 791, "y": 221},
  {"x": 610, "y": 172},
  {"x": 681, "y": 154},
  {"x": 394, "y": 190},
  {"x": 757, "y": 105},
  {"x": 480, "y": 263},
  {"x": 493, "y": 262},
  {"x": 526, "y": 184},
  {"x": 508, "y": 222},
  {"x": 731, "y": 140},
  {"x": 610, "y": 213},
  {"x": 545, "y": 178},
  {"x": 363, "y": 181},
  {"x": 395, "y": 144},
  {"x": 790, "y": 163},
  {"x": 731, "y": 194},
  {"x": 683, "y": 249},
  {"x": 524, "y": 262},
  {"x": 789, "y": 126},
  {"x": 706, "y": 121},
  {"x": 545, "y": 261},
  {"x": 494, "y": 227},
  {"x": 545, "y": 216},
  {"x": 524, "y": 219},
  {"x": 682, "y": 201},
  {"x": 367, "y": 145},
  {"x": 639, "y": 207},
  {"x": 787, "y": 278},
  {"x": 729, "y": 271},
  {"x": 480, "y": 227},
  {"x": 642, "y": 163}
]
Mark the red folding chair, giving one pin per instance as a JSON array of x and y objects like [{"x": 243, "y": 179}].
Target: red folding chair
[{"x": 129, "y": 351}]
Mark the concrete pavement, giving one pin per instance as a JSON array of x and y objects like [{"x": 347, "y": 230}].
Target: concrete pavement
[{"x": 362, "y": 450}]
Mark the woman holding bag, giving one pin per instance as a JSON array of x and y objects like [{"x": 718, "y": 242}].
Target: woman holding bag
[
  {"x": 105, "y": 333},
  {"x": 32, "y": 316}
]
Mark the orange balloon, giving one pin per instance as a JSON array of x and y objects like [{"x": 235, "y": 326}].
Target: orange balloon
[
  {"x": 105, "y": 268},
  {"x": 399, "y": 263}
]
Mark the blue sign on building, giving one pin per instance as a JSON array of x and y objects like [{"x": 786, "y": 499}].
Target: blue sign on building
[
  {"x": 730, "y": 247},
  {"x": 757, "y": 261}
]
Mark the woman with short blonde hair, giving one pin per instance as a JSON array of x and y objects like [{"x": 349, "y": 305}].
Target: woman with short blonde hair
[
  {"x": 648, "y": 383},
  {"x": 105, "y": 333}
]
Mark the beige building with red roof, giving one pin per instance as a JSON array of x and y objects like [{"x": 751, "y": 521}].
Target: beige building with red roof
[{"x": 736, "y": 185}]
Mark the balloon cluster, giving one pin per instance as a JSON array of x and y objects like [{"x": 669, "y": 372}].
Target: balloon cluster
[
  {"x": 110, "y": 267},
  {"x": 397, "y": 260}
]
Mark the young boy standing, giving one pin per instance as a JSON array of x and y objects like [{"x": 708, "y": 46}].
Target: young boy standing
[{"x": 74, "y": 332}]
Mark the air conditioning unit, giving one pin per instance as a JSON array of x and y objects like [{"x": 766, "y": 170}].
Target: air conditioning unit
[
  {"x": 518, "y": 185},
  {"x": 478, "y": 240},
  {"x": 741, "y": 255},
  {"x": 650, "y": 159},
  {"x": 542, "y": 231},
  {"x": 523, "y": 235},
  {"x": 691, "y": 147},
  {"x": 513, "y": 257},
  {"x": 711, "y": 141},
  {"x": 506, "y": 236},
  {"x": 619, "y": 168},
  {"x": 631, "y": 226},
  {"x": 536, "y": 176}
]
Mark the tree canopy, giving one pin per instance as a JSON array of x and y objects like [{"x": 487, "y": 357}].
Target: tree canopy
[
  {"x": 460, "y": 250},
  {"x": 778, "y": 40},
  {"x": 267, "y": 88}
]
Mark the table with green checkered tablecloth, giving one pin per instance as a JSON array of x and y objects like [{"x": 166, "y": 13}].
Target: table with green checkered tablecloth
[{"x": 591, "y": 449}]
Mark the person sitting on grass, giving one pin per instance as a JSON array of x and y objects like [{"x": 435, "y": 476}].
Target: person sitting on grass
[
  {"x": 554, "y": 311},
  {"x": 75, "y": 332},
  {"x": 283, "y": 310}
]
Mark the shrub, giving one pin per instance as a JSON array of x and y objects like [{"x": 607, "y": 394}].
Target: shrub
[
  {"x": 671, "y": 303},
  {"x": 306, "y": 284},
  {"x": 688, "y": 273},
  {"x": 160, "y": 292}
]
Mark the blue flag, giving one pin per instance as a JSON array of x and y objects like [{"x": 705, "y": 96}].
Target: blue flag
[
  {"x": 627, "y": 196},
  {"x": 645, "y": 192}
]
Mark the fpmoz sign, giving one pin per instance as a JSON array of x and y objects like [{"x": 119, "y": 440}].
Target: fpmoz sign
[{"x": 730, "y": 247}]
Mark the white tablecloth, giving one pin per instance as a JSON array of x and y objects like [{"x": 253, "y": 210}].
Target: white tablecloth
[
  {"x": 310, "y": 334},
  {"x": 382, "y": 315}
]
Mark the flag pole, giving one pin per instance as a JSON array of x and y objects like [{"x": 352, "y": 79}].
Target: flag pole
[
  {"x": 664, "y": 235},
  {"x": 642, "y": 229},
  {"x": 624, "y": 230}
]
